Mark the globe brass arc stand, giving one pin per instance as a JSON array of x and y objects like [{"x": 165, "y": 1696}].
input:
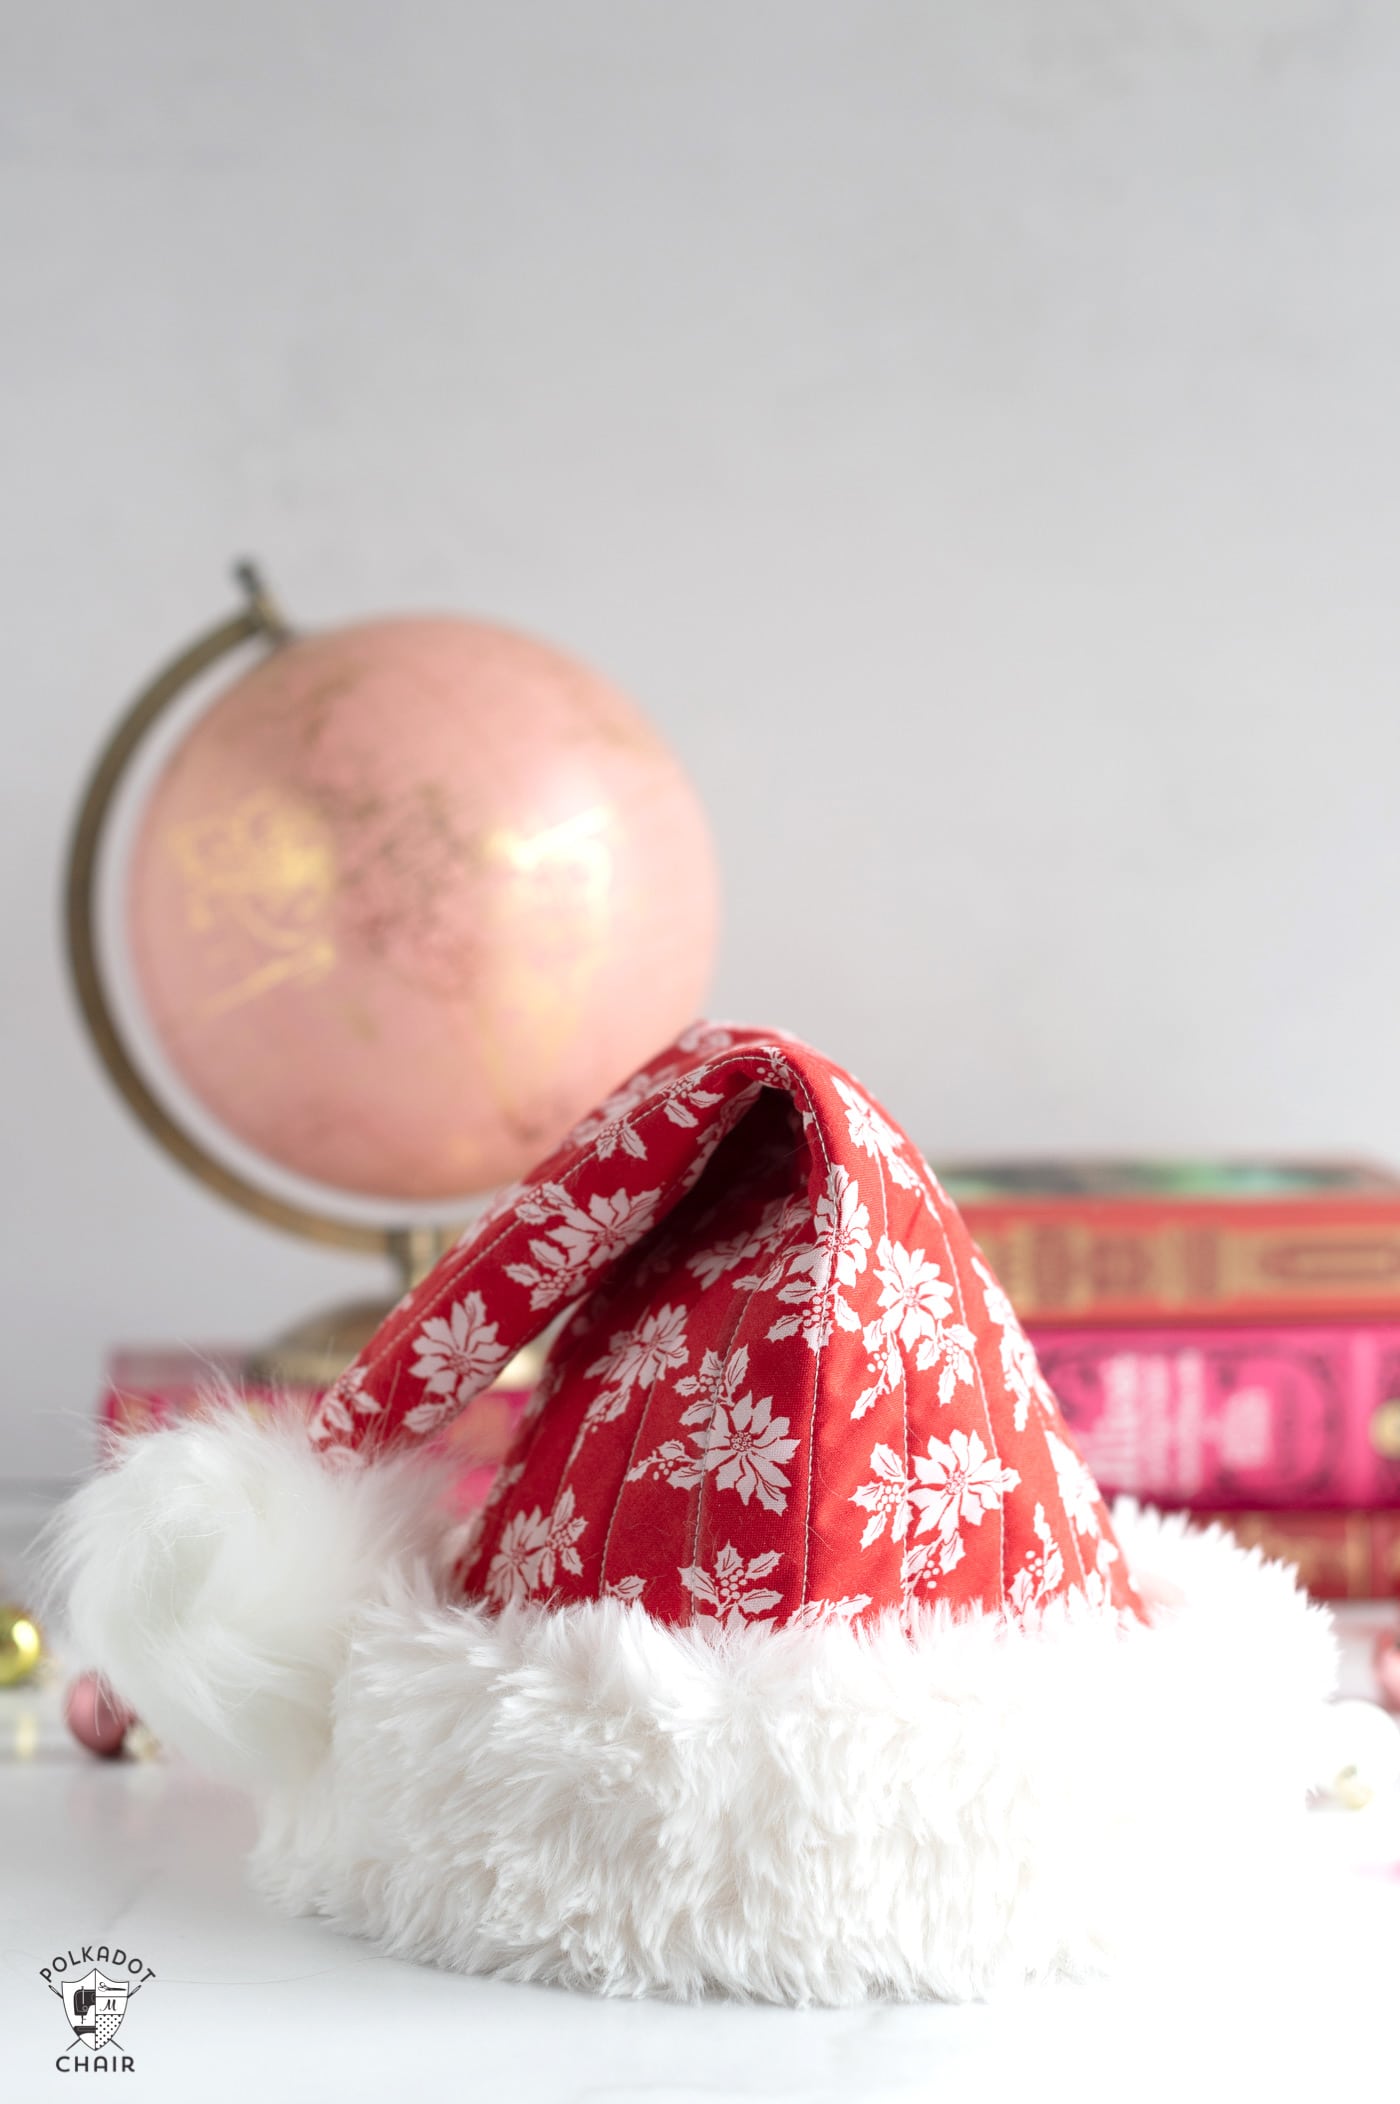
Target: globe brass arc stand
[{"x": 314, "y": 1351}]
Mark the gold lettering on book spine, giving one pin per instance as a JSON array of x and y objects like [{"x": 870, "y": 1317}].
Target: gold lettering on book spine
[{"x": 1053, "y": 1268}]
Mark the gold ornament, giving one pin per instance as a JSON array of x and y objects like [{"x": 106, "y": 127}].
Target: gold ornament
[{"x": 21, "y": 1646}]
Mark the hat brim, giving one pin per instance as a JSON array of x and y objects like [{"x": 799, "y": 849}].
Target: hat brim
[{"x": 587, "y": 1795}]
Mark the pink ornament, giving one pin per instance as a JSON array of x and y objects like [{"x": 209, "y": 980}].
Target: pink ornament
[
  {"x": 410, "y": 897},
  {"x": 1386, "y": 1660},
  {"x": 96, "y": 1718}
]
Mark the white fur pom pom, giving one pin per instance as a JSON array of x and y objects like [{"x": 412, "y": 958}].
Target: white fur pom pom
[{"x": 211, "y": 1575}]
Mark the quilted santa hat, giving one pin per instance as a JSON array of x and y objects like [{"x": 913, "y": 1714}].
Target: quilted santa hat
[{"x": 794, "y": 1654}]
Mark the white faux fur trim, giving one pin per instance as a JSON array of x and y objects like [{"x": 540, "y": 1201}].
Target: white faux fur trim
[
  {"x": 589, "y": 1796},
  {"x": 211, "y": 1574}
]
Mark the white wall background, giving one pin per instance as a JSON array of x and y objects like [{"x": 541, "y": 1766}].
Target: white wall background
[{"x": 971, "y": 427}]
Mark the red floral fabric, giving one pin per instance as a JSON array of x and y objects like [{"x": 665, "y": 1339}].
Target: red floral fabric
[{"x": 789, "y": 1390}]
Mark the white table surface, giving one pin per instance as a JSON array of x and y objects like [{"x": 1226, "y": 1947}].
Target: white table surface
[{"x": 245, "y": 2005}]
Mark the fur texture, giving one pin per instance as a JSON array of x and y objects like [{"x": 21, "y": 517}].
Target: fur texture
[
  {"x": 211, "y": 1574},
  {"x": 588, "y": 1796}
]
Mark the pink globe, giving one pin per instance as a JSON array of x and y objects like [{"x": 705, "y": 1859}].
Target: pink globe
[{"x": 410, "y": 897}]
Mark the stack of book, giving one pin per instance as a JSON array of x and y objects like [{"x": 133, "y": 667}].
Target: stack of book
[{"x": 1223, "y": 1338}]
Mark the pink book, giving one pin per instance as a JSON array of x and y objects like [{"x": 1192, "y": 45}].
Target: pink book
[{"x": 1286, "y": 1415}]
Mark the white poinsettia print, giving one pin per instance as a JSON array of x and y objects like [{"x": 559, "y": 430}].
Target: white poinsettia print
[
  {"x": 736, "y": 1439},
  {"x": 680, "y": 1097},
  {"x": 1098, "y": 1581},
  {"x": 833, "y": 1241},
  {"x": 515, "y": 1565},
  {"x": 609, "y": 1130},
  {"x": 842, "y": 1224},
  {"x": 732, "y": 1593},
  {"x": 957, "y": 1483},
  {"x": 504, "y": 1201},
  {"x": 885, "y": 1366},
  {"x": 875, "y": 1135},
  {"x": 778, "y": 1223},
  {"x": 714, "y": 1387},
  {"x": 745, "y": 1448},
  {"x": 578, "y": 1239},
  {"x": 951, "y": 1351},
  {"x": 672, "y": 1462},
  {"x": 925, "y": 1562},
  {"x": 533, "y": 1547},
  {"x": 885, "y": 1497},
  {"x": 914, "y": 1301},
  {"x": 560, "y": 1542},
  {"x": 718, "y": 1382},
  {"x": 458, "y": 1354},
  {"x": 820, "y": 1614},
  {"x": 809, "y": 1278},
  {"x": 682, "y": 1101},
  {"x": 726, "y": 1254},
  {"x": 341, "y": 1404},
  {"x": 1079, "y": 1494},
  {"x": 816, "y": 1305},
  {"x": 914, "y": 1295},
  {"x": 1043, "y": 1572},
  {"x": 1020, "y": 1369},
  {"x": 652, "y": 1347},
  {"x": 719, "y": 1129}
]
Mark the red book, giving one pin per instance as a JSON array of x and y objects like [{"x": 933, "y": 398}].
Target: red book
[
  {"x": 1301, "y": 1414},
  {"x": 1338, "y": 1555},
  {"x": 1187, "y": 1242}
]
